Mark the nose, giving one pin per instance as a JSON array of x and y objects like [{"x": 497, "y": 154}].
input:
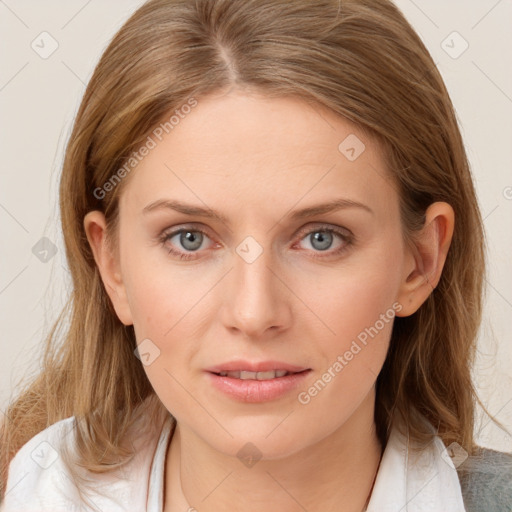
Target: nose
[{"x": 257, "y": 301}]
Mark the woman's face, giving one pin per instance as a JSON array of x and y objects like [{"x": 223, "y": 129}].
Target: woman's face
[{"x": 274, "y": 285}]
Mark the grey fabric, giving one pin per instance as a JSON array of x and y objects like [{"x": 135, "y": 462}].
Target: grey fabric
[{"x": 486, "y": 481}]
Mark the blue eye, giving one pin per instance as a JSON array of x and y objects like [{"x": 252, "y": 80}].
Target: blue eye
[
  {"x": 190, "y": 240},
  {"x": 324, "y": 239},
  {"x": 320, "y": 239}
]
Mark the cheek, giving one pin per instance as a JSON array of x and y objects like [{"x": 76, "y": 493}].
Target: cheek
[
  {"x": 358, "y": 296},
  {"x": 168, "y": 308},
  {"x": 360, "y": 318},
  {"x": 161, "y": 293},
  {"x": 358, "y": 306},
  {"x": 162, "y": 305}
]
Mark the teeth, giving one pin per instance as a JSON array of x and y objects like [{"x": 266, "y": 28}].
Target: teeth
[{"x": 243, "y": 375}]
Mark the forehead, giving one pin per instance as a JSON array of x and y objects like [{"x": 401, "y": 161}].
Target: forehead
[{"x": 251, "y": 152}]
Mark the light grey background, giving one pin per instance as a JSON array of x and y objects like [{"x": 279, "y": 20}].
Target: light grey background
[{"x": 40, "y": 96}]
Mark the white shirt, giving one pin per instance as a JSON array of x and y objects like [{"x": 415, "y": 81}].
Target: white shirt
[{"x": 39, "y": 481}]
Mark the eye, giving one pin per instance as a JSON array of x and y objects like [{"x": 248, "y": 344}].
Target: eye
[
  {"x": 189, "y": 239},
  {"x": 322, "y": 238},
  {"x": 184, "y": 242}
]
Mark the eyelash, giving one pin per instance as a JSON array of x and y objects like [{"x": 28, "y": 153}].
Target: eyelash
[{"x": 346, "y": 238}]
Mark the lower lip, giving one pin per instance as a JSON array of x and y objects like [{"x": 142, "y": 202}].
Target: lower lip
[{"x": 253, "y": 391}]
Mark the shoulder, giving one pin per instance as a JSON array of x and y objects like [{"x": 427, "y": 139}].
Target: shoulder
[
  {"x": 37, "y": 467},
  {"x": 486, "y": 481},
  {"x": 39, "y": 477}
]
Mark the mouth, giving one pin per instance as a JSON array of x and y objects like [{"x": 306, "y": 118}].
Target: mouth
[
  {"x": 247, "y": 375},
  {"x": 256, "y": 382},
  {"x": 255, "y": 367}
]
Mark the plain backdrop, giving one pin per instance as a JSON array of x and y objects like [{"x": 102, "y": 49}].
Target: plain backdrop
[{"x": 470, "y": 41}]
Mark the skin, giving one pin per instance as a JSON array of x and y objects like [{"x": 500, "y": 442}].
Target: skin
[{"x": 256, "y": 159}]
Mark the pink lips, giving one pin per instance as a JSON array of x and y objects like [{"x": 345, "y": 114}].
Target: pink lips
[
  {"x": 259, "y": 366},
  {"x": 252, "y": 390}
]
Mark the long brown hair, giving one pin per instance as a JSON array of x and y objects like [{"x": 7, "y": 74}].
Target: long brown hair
[{"x": 361, "y": 59}]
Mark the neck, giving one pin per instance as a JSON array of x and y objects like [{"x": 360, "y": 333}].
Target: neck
[{"x": 335, "y": 474}]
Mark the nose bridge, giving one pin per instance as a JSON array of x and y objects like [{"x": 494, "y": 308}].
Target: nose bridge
[{"x": 256, "y": 300}]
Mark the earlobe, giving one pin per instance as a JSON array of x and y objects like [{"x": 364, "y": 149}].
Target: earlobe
[
  {"x": 427, "y": 257},
  {"x": 108, "y": 265}
]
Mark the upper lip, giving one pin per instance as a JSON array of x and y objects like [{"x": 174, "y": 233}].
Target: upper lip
[{"x": 255, "y": 366}]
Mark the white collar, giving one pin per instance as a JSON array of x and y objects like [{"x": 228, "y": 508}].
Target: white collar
[
  {"x": 407, "y": 481},
  {"x": 155, "y": 501},
  {"x": 416, "y": 481}
]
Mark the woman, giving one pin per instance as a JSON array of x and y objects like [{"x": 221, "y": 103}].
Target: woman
[{"x": 277, "y": 258}]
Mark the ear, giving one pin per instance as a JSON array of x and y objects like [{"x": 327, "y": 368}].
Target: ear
[
  {"x": 426, "y": 258},
  {"x": 108, "y": 265}
]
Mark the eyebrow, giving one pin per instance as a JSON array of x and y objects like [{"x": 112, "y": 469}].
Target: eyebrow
[{"x": 199, "y": 211}]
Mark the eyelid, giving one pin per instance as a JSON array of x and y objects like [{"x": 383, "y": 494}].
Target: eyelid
[{"x": 322, "y": 226}]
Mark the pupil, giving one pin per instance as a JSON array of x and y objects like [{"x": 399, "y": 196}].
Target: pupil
[
  {"x": 191, "y": 240},
  {"x": 324, "y": 240}
]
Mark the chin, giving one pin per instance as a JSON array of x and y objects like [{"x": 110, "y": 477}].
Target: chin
[{"x": 264, "y": 437}]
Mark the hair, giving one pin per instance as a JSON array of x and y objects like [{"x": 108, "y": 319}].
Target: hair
[{"x": 359, "y": 58}]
